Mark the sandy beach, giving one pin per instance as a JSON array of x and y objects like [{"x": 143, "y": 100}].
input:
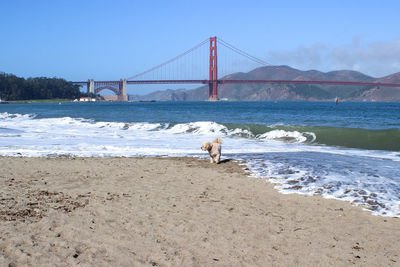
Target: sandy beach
[{"x": 176, "y": 212}]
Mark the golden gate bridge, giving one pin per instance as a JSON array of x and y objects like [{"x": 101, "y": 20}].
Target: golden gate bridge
[{"x": 165, "y": 74}]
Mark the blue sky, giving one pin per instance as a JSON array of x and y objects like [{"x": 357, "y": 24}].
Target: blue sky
[{"x": 108, "y": 40}]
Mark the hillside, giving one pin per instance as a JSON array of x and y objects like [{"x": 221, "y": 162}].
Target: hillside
[
  {"x": 277, "y": 92},
  {"x": 383, "y": 93},
  {"x": 14, "y": 88}
]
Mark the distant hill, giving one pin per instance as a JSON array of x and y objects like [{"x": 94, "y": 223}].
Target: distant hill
[
  {"x": 383, "y": 93},
  {"x": 290, "y": 92}
]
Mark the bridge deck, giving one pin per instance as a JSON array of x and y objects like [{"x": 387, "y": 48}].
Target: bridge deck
[{"x": 245, "y": 81}]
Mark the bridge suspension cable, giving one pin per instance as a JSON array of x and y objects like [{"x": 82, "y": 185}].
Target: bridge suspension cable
[
  {"x": 169, "y": 61},
  {"x": 241, "y": 52}
]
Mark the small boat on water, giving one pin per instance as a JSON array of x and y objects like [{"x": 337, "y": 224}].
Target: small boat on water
[{"x": 3, "y": 101}]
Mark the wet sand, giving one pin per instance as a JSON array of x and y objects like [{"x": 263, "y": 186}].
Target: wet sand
[{"x": 176, "y": 212}]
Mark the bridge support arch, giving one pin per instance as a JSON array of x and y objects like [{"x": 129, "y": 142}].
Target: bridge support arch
[{"x": 118, "y": 87}]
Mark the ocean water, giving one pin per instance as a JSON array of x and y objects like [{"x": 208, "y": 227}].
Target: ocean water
[{"x": 349, "y": 151}]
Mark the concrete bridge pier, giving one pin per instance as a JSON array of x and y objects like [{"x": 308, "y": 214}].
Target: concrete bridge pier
[
  {"x": 90, "y": 87},
  {"x": 122, "y": 91}
]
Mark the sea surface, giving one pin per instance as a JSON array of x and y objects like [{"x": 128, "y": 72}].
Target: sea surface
[{"x": 349, "y": 151}]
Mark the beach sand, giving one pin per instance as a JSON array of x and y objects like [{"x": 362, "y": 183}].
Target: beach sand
[{"x": 176, "y": 212}]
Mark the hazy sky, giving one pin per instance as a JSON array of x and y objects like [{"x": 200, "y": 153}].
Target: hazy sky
[{"x": 108, "y": 40}]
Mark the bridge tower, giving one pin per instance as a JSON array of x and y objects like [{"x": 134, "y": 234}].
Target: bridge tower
[
  {"x": 122, "y": 90},
  {"x": 213, "y": 80},
  {"x": 90, "y": 87}
]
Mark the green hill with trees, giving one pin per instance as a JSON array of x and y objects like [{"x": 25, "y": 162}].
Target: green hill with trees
[{"x": 13, "y": 88}]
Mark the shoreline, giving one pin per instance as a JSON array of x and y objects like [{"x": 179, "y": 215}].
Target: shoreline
[{"x": 176, "y": 211}]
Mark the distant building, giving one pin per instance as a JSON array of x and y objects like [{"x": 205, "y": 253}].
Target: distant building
[{"x": 87, "y": 99}]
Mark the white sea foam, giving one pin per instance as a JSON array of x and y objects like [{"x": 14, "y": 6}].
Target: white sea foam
[
  {"x": 367, "y": 182},
  {"x": 365, "y": 177},
  {"x": 281, "y": 135}
]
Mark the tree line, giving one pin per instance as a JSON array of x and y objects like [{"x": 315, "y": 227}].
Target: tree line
[{"x": 17, "y": 88}]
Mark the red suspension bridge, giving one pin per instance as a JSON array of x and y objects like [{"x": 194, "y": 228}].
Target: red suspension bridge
[{"x": 169, "y": 73}]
